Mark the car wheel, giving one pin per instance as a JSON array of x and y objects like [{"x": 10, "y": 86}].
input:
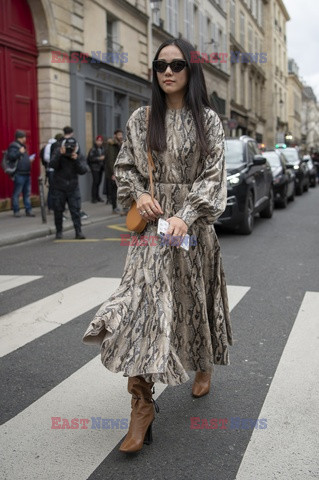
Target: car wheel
[
  {"x": 292, "y": 196},
  {"x": 299, "y": 190},
  {"x": 306, "y": 187},
  {"x": 247, "y": 225},
  {"x": 268, "y": 211},
  {"x": 284, "y": 200}
]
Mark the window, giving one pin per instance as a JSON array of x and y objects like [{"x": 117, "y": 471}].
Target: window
[
  {"x": 112, "y": 40},
  {"x": 111, "y": 34},
  {"x": 242, "y": 29},
  {"x": 250, "y": 39},
  {"x": 296, "y": 104},
  {"x": 189, "y": 20},
  {"x": 242, "y": 88},
  {"x": 224, "y": 50},
  {"x": 98, "y": 114},
  {"x": 249, "y": 100},
  {"x": 214, "y": 36},
  {"x": 202, "y": 31},
  {"x": 172, "y": 17},
  {"x": 251, "y": 152},
  {"x": 196, "y": 35},
  {"x": 232, "y": 14},
  {"x": 233, "y": 82},
  {"x": 259, "y": 12},
  {"x": 254, "y": 8}
]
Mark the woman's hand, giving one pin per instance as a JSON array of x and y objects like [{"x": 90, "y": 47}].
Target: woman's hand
[
  {"x": 177, "y": 227},
  {"x": 149, "y": 209}
]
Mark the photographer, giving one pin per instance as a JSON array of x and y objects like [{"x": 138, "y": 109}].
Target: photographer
[{"x": 67, "y": 163}]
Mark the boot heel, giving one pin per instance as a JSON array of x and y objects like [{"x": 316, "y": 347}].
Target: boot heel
[{"x": 148, "y": 435}]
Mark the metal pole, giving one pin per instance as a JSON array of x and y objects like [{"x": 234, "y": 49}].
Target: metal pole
[{"x": 42, "y": 200}]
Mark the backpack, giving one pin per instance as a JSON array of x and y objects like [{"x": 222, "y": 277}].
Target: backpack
[{"x": 9, "y": 166}]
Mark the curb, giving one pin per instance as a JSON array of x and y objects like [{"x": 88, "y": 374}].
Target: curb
[{"x": 47, "y": 231}]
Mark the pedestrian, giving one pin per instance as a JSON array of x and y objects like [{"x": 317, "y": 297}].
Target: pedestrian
[
  {"x": 17, "y": 150},
  {"x": 113, "y": 147},
  {"x": 170, "y": 313},
  {"x": 67, "y": 163},
  {"x": 95, "y": 160},
  {"x": 46, "y": 157},
  {"x": 68, "y": 132}
]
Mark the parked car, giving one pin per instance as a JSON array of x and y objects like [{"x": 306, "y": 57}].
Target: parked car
[
  {"x": 300, "y": 169},
  {"x": 249, "y": 185},
  {"x": 283, "y": 177},
  {"x": 311, "y": 169}
]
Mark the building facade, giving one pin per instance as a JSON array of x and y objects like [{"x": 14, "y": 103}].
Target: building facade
[
  {"x": 248, "y": 74},
  {"x": 88, "y": 63},
  {"x": 295, "y": 87},
  {"x": 309, "y": 120},
  {"x": 276, "y": 93},
  {"x": 204, "y": 24},
  {"x": 76, "y": 62}
]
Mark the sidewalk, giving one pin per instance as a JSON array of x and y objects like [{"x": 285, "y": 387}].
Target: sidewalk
[{"x": 15, "y": 230}]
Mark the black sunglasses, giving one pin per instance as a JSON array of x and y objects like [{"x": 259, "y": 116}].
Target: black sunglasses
[{"x": 176, "y": 65}]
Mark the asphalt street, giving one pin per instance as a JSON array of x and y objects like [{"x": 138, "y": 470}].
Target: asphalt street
[{"x": 278, "y": 264}]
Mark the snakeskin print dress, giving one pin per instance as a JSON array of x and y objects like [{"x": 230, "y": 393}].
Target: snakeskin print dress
[{"x": 170, "y": 313}]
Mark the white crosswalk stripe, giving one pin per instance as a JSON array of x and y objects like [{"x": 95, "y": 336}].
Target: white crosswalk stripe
[
  {"x": 31, "y": 449},
  {"x": 288, "y": 447},
  {"x": 7, "y": 282},
  {"x": 30, "y": 322}
]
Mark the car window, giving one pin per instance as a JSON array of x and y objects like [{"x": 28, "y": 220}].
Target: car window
[
  {"x": 291, "y": 156},
  {"x": 234, "y": 153},
  {"x": 272, "y": 158},
  {"x": 250, "y": 151},
  {"x": 257, "y": 151}
]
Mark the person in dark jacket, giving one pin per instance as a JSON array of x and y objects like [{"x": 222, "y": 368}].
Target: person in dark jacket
[
  {"x": 22, "y": 180},
  {"x": 67, "y": 133},
  {"x": 113, "y": 147},
  {"x": 95, "y": 159},
  {"x": 67, "y": 163}
]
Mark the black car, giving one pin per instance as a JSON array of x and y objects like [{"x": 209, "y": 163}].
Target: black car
[
  {"x": 283, "y": 177},
  {"x": 312, "y": 170},
  {"x": 300, "y": 169},
  {"x": 249, "y": 185}
]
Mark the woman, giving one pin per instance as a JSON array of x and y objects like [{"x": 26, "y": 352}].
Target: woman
[
  {"x": 95, "y": 159},
  {"x": 170, "y": 313}
]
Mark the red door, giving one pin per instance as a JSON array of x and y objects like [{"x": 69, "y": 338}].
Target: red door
[{"x": 18, "y": 85}]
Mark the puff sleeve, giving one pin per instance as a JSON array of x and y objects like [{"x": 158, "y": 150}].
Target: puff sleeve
[
  {"x": 131, "y": 183},
  {"x": 208, "y": 195}
]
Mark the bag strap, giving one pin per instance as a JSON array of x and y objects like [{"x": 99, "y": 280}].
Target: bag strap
[{"x": 150, "y": 162}]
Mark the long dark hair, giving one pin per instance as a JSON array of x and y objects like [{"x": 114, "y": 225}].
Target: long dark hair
[{"x": 195, "y": 99}]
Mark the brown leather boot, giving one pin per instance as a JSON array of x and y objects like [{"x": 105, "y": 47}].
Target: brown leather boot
[
  {"x": 201, "y": 383},
  {"x": 142, "y": 415}
]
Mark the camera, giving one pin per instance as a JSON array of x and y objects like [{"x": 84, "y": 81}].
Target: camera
[{"x": 70, "y": 145}]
